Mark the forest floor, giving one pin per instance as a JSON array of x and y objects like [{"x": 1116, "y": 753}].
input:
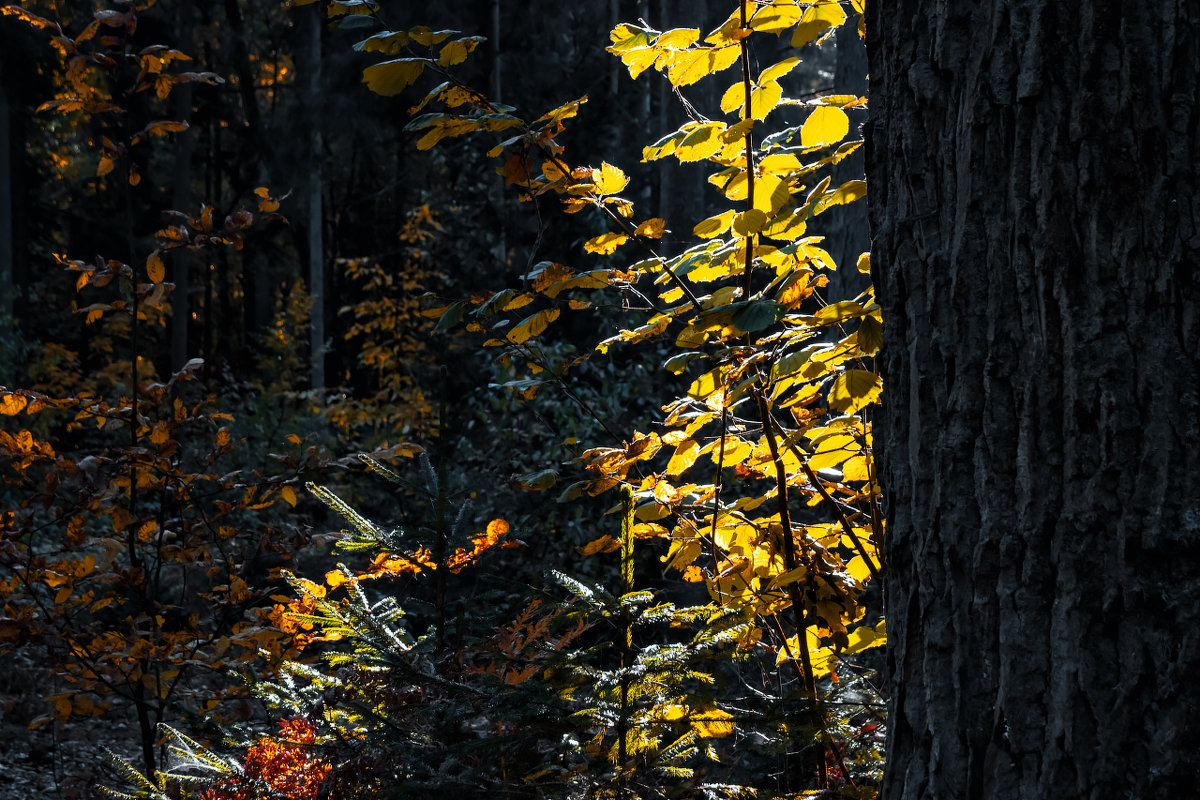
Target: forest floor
[{"x": 54, "y": 761}]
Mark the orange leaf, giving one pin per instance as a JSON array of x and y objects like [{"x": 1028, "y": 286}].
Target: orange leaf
[
  {"x": 155, "y": 268},
  {"x": 652, "y": 228}
]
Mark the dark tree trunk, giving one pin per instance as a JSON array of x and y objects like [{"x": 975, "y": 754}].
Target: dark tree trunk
[
  {"x": 7, "y": 287},
  {"x": 314, "y": 224},
  {"x": 846, "y": 229},
  {"x": 1034, "y": 174}
]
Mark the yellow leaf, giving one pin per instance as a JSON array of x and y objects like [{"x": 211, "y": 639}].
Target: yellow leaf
[
  {"x": 609, "y": 179},
  {"x": 605, "y": 243},
  {"x": 749, "y": 222},
  {"x": 714, "y": 226},
  {"x": 389, "y": 78},
  {"x": 685, "y": 455},
  {"x": 776, "y": 17},
  {"x": 453, "y": 53},
  {"x": 819, "y": 17},
  {"x": 677, "y": 39},
  {"x": 289, "y": 495},
  {"x": 701, "y": 142},
  {"x": 770, "y": 194},
  {"x": 864, "y": 263},
  {"x": 734, "y": 97},
  {"x": 865, "y": 637},
  {"x": 832, "y": 451},
  {"x": 652, "y": 228},
  {"x": 155, "y": 268},
  {"x": 532, "y": 326},
  {"x": 763, "y": 99},
  {"x": 106, "y": 166},
  {"x": 689, "y": 66},
  {"x": 826, "y": 125},
  {"x": 854, "y": 389},
  {"x": 776, "y": 71}
]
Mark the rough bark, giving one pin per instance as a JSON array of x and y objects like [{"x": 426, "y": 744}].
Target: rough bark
[{"x": 1033, "y": 169}]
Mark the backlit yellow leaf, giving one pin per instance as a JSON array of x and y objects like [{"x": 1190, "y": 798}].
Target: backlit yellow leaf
[
  {"x": 714, "y": 226},
  {"x": 776, "y": 17},
  {"x": 652, "y": 228},
  {"x": 763, "y": 99},
  {"x": 817, "y": 19},
  {"x": 734, "y": 97},
  {"x": 609, "y": 179},
  {"x": 749, "y": 222},
  {"x": 289, "y": 495},
  {"x": 770, "y": 194},
  {"x": 778, "y": 70},
  {"x": 685, "y": 455},
  {"x": 854, "y": 389},
  {"x": 677, "y": 39},
  {"x": 605, "y": 243},
  {"x": 701, "y": 142},
  {"x": 689, "y": 66},
  {"x": 532, "y": 326},
  {"x": 826, "y": 125}
]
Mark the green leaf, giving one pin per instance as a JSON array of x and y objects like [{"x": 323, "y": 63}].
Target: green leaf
[
  {"x": 451, "y": 317},
  {"x": 757, "y": 315}
]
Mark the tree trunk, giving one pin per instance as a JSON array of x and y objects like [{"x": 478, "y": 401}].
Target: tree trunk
[
  {"x": 310, "y": 34},
  {"x": 181, "y": 200},
  {"x": 846, "y": 229},
  {"x": 1034, "y": 173},
  {"x": 7, "y": 287}
]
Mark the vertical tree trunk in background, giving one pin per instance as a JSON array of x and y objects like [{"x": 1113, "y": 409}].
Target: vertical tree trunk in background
[
  {"x": 310, "y": 34},
  {"x": 181, "y": 200},
  {"x": 7, "y": 286},
  {"x": 847, "y": 231},
  {"x": 495, "y": 94},
  {"x": 1033, "y": 169}
]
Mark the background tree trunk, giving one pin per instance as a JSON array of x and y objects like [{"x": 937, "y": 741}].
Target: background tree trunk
[
  {"x": 7, "y": 287},
  {"x": 847, "y": 234},
  {"x": 310, "y": 35},
  {"x": 1033, "y": 169}
]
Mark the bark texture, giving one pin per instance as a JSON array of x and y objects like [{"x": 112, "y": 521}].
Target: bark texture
[{"x": 1036, "y": 221}]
